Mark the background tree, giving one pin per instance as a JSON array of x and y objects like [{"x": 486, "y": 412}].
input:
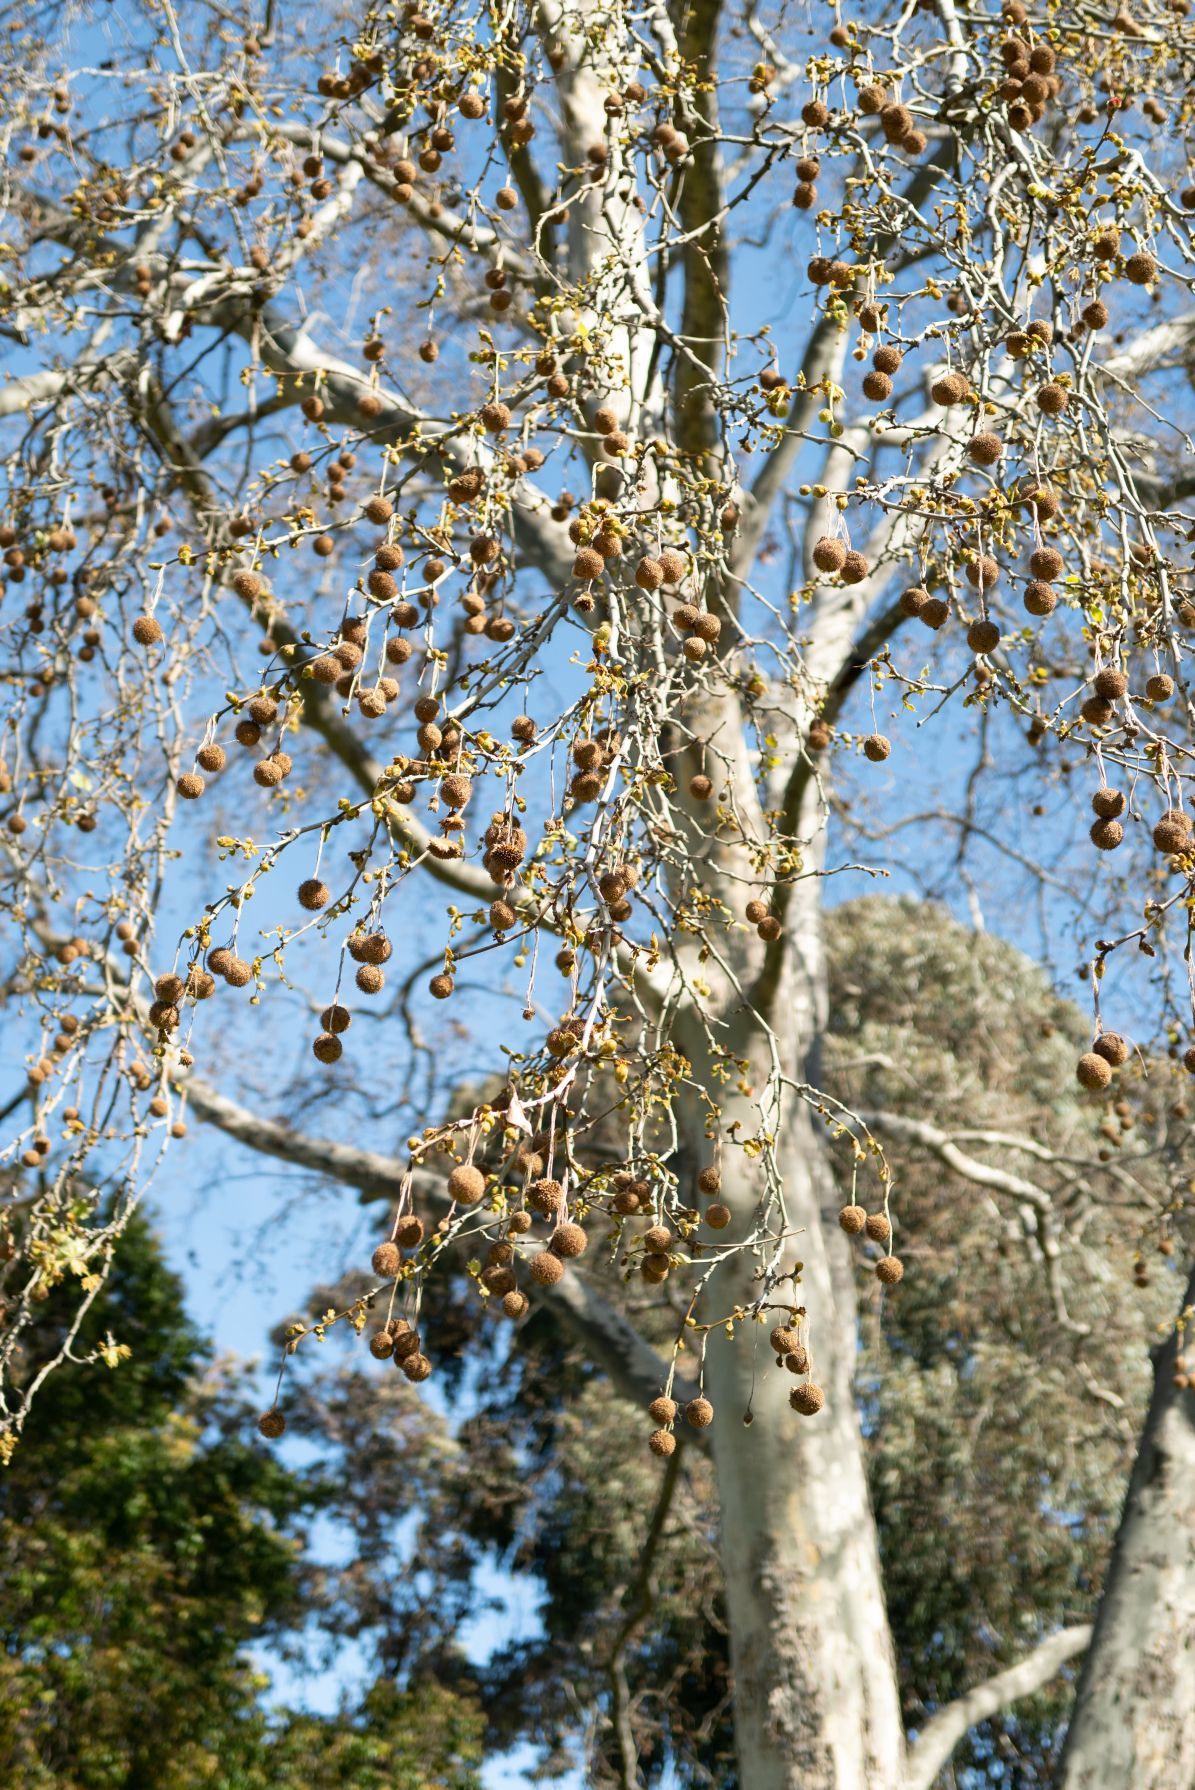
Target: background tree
[{"x": 255, "y": 504}]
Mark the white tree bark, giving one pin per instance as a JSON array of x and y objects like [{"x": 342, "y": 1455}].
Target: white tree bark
[{"x": 1134, "y": 1722}]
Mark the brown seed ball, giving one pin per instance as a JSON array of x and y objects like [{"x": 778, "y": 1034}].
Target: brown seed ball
[
  {"x": 828, "y": 554},
  {"x": 190, "y": 786},
  {"x": 709, "y": 1180},
  {"x": 797, "y": 1361},
  {"x": 328, "y": 1048},
  {"x": 1172, "y": 834},
  {"x": 983, "y": 571},
  {"x": 546, "y": 1194},
  {"x": 887, "y": 359},
  {"x": 441, "y": 986},
  {"x": 854, "y": 568},
  {"x": 1110, "y": 684},
  {"x": 568, "y": 1241},
  {"x": 983, "y": 637},
  {"x": 1113, "y": 1048},
  {"x": 807, "y": 1400},
  {"x": 658, "y": 1238},
  {"x": 1140, "y": 268},
  {"x": 1092, "y": 1072},
  {"x": 1045, "y": 562},
  {"x": 466, "y": 1184},
  {"x": 877, "y": 747},
  {"x": 784, "y": 1340},
  {"x": 386, "y": 1259},
  {"x": 950, "y": 389},
  {"x": 271, "y": 1424},
  {"x": 673, "y": 564},
  {"x": 877, "y": 387},
  {"x": 1108, "y": 803},
  {"x": 211, "y": 757},
  {"x": 1106, "y": 835},
  {"x": 1052, "y": 399},
  {"x": 546, "y": 1269},
  {"x": 238, "y": 974},
  {"x": 852, "y": 1220},
  {"x": 1159, "y": 688},
  {"x": 1189, "y": 1061},
  {"x": 588, "y": 564},
  {"x": 700, "y": 787},
  {"x": 147, "y": 631},
  {"x": 662, "y": 1409},
  {"x": 872, "y": 99},
  {"x": 381, "y": 1345},
  {"x": 649, "y": 574},
  {"x": 878, "y": 1227},
  {"x": 313, "y": 895},
  {"x": 889, "y": 1269},
  {"x": 756, "y": 911},
  {"x": 769, "y": 929},
  {"x": 913, "y": 600},
  {"x": 662, "y": 1443},
  {"x": 718, "y": 1216},
  {"x": 409, "y": 1231},
  {"x": 985, "y": 448},
  {"x": 1040, "y": 598},
  {"x": 417, "y": 1368},
  {"x": 700, "y": 1413},
  {"x": 515, "y": 1304}
]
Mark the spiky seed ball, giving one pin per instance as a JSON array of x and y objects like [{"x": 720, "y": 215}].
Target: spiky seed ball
[
  {"x": 546, "y": 1269},
  {"x": 950, "y": 389},
  {"x": 417, "y": 1368},
  {"x": 983, "y": 637},
  {"x": 1140, "y": 268},
  {"x": 369, "y": 947},
  {"x": 495, "y": 417},
  {"x": 313, "y": 894},
  {"x": 1045, "y": 562},
  {"x": 1159, "y": 688},
  {"x": 854, "y": 568},
  {"x": 147, "y": 631},
  {"x": 887, "y": 359},
  {"x": 985, "y": 448},
  {"x": 238, "y": 974},
  {"x": 211, "y": 757},
  {"x": 1095, "y": 315},
  {"x": 718, "y": 1216},
  {"x": 889, "y": 1269},
  {"x": 699, "y": 1413},
  {"x": 271, "y": 1424},
  {"x": 784, "y": 1340},
  {"x": 797, "y": 1360},
  {"x": 872, "y": 98},
  {"x": 878, "y": 1227},
  {"x": 709, "y": 1180},
  {"x": 369, "y": 979},
  {"x": 546, "y": 1194},
  {"x": 756, "y": 911},
  {"x": 828, "y": 554},
  {"x": 877, "y": 387},
  {"x": 190, "y": 786},
  {"x": 381, "y": 1345},
  {"x": 662, "y": 1442},
  {"x": 1110, "y": 683},
  {"x": 568, "y": 1241},
  {"x": 406, "y": 1340},
  {"x": 408, "y": 1232},
  {"x": 1172, "y": 833},
  {"x": 769, "y": 929},
  {"x": 466, "y": 1184},
  {"x": 852, "y": 1219},
  {"x": 1052, "y": 399},
  {"x": 807, "y": 1400},
  {"x": 327, "y": 1048},
  {"x": 1108, "y": 803},
  {"x": 1040, "y": 598},
  {"x": 386, "y": 1259},
  {"x": 515, "y": 1304},
  {"x": 662, "y": 1409},
  {"x": 983, "y": 571},
  {"x": 913, "y": 600},
  {"x": 649, "y": 574},
  {"x": 1092, "y": 1072},
  {"x": 588, "y": 564},
  {"x": 673, "y": 564},
  {"x": 877, "y": 747},
  {"x": 1106, "y": 835},
  {"x": 441, "y": 986},
  {"x": 1113, "y": 1048},
  {"x": 700, "y": 787}
]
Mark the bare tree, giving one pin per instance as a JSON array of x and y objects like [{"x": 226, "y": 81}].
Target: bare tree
[{"x": 312, "y": 323}]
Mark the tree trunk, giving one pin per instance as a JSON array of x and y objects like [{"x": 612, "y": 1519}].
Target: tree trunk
[
  {"x": 816, "y": 1701},
  {"x": 1133, "y": 1726}
]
